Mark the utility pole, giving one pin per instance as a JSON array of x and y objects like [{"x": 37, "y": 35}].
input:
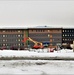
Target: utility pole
[{"x": 73, "y": 46}]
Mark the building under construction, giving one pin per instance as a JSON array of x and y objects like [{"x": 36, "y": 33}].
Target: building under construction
[{"x": 12, "y": 37}]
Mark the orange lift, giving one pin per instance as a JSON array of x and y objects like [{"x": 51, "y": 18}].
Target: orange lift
[{"x": 37, "y": 45}]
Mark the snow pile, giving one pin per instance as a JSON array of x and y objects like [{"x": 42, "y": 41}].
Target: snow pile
[
  {"x": 61, "y": 54},
  {"x": 40, "y": 67}
]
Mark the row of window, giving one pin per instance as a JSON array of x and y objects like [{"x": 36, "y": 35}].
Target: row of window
[
  {"x": 55, "y": 44},
  {"x": 2, "y": 40},
  {"x": 68, "y": 39},
  {"x": 19, "y": 44},
  {"x": 19, "y": 35},
  {"x": 66, "y": 42},
  {"x": 45, "y": 35},
  {"x": 38, "y": 30},
  {"x": 68, "y": 30},
  {"x": 43, "y": 30},
  {"x": 10, "y": 31},
  {"x": 68, "y": 34},
  {"x": 39, "y": 35},
  {"x": 52, "y": 40}
]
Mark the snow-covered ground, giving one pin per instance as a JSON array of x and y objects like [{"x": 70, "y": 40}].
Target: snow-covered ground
[
  {"x": 40, "y": 67},
  {"x": 64, "y": 53},
  {"x": 33, "y": 67}
]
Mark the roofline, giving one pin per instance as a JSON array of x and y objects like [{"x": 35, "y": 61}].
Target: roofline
[
  {"x": 36, "y": 28},
  {"x": 13, "y": 28},
  {"x": 67, "y": 28},
  {"x": 44, "y": 28}
]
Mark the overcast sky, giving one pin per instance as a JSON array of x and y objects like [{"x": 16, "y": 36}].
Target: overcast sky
[{"x": 26, "y": 13}]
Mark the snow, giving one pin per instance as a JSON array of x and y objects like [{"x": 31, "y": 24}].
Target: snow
[
  {"x": 33, "y": 67},
  {"x": 40, "y": 67},
  {"x": 64, "y": 53}
]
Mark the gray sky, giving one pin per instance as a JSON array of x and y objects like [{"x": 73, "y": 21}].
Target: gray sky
[{"x": 58, "y": 13}]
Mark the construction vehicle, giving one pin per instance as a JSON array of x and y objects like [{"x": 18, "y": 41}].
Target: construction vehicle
[
  {"x": 37, "y": 45},
  {"x": 67, "y": 46}
]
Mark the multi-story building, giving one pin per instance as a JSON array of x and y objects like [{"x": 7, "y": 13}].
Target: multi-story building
[
  {"x": 12, "y": 37},
  {"x": 55, "y": 36},
  {"x": 46, "y": 35},
  {"x": 39, "y": 34},
  {"x": 67, "y": 35}
]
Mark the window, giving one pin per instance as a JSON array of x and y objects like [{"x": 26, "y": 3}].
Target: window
[
  {"x": 70, "y": 30},
  {"x": 19, "y": 31},
  {"x": 48, "y": 35},
  {"x": 3, "y": 44},
  {"x": 6, "y": 35},
  {"x": 38, "y": 30},
  {"x": 48, "y": 30},
  {"x": 21, "y": 35},
  {"x": 3, "y": 30},
  {"x": 6, "y": 44},
  {"x": 63, "y": 30},
  {"x": 3, "y": 35},
  {"x": 68, "y": 39},
  {"x": 65, "y": 35},
  {"x": 68, "y": 35},
  {"x": 18, "y": 35},
  {"x": 67, "y": 30},
  {"x": 63, "y": 39},
  {"x": 15, "y": 44},
  {"x": 53, "y": 39},
  {"x": 6, "y": 39},
  {"x": 19, "y": 40},
  {"x": 3, "y": 39},
  {"x": 19, "y": 44}
]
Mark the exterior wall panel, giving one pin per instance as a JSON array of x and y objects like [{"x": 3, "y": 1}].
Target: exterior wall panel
[
  {"x": 51, "y": 35},
  {"x": 67, "y": 35}
]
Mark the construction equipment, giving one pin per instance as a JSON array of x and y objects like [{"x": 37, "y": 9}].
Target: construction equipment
[
  {"x": 37, "y": 45},
  {"x": 67, "y": 46}
]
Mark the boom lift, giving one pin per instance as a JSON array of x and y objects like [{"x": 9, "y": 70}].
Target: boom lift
[{"x": 37, "y": 45}]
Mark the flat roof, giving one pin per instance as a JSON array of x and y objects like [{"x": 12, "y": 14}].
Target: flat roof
[
  {"x": 13, "y": 28},
  {"x": 37, "y": 27},
  {"x": 45, "y": 27},
  {"x": 67, "y": 28}
]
